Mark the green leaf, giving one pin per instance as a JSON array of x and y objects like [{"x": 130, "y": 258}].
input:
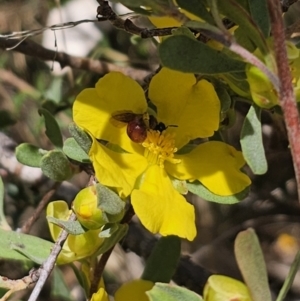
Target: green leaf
[
  {"x": 236, "y": 13},
  {"x": 197, "y": 8},
  {"x": 244, "y": 40},
  {"x": 72, "y": 150},
  {"x": 182, "y": 53},
  {"x": 162, "y": 263},
  {"x": 59, "y": 287},
  {"x": 72, "y": 227},
  {"x": 56, "y": 166},
  {"x": 81, "y": 137},
  {"x": 183, "y": 31},
  {"x": 109, "y": 201},
  {"x": 52, "y": 128},
  {"x": 224, "y": 97},
  {"x": 251, "y": 142},
  {"x": 290, "y": 278},
  {"x": 113, "y": 239},
  {"x": 167, "y": 292},
  {"x": 3, "y": 223},
  {"x": 250, "y": 259},
  {"x": 260, "y": 14},
  {"x": 200, "y": 190},
  {"x": 23, "y": 247},
  {"x": 29, "y": 154}
]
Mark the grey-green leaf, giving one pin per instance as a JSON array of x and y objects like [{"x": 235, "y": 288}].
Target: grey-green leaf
[
  {"x": 235, "y": 12},
  {"x": 290, "y": 278},
  {"x": 184, "y": 54},
  {"x": 161, "y": 268},
  {"x": 250, "y": 259},
  {"x": 81, "y": 137},
  {"x": 197, "y": 8},
  {"x": 52, "y": 128},
  {"x": 251, "y": 142},
  {"x": 72, "y": 227},
  {"x": 56, "y": 166},
  {"x": 72, "y": 150},
  {"x": 260, "y": 14},
  {"x": 167, "y": 292},
  {"x": 200, "y": 190},
  {"x": 59, "y": 287},
  {"x": 109, "y": 201},
  {"x": 23, "y": 247},
  {"x": 29, "y": 154},
  {"x": 3, "y": 223}
]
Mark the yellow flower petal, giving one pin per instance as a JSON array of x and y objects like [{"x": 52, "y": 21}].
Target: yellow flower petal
[
  {"x": 115, "y": 92},
  {"x": 59, "y": 210},
  {"x": 75, "y": 247},
  {"x": 83, "y": 245},
  {"x": 101, "y": 295},
  {"x": 216, "y": 165},
  {"x": 193, "y": 107},
  {"x": 223, "y": 288},
  {"x": 165, "y": 21},
  {"x": 117, "y": 170},
  {"x": 134, "y": 291},
  {"x": 161, "y": 208}
]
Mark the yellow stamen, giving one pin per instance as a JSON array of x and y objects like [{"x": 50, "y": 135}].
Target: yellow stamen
[{"x": 160, "y": 147}]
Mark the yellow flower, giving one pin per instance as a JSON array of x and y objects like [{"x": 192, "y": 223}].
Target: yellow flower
[
  {"x": 134, "y": 291},
  {"x": 223, "y": 288},
  {"x": 76, "y": 247},
  {"x": 189, "y": 109}
]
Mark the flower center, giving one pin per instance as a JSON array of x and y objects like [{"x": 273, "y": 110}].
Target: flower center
[{"x": 160, "y": 146}]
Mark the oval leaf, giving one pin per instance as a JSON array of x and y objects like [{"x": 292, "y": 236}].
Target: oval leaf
[
  {"x": 200, "y": 190},
  {"x": 251, "y": 142},
  {"x": 108, "y": 201},
  {"x": 162, "y": 263},
  {"x": 72, "y": 149},
  {"x": 56, "y": 166},
  {"x": 260, "y": 15},
  {"x": 184, "y": 54},
  {"x": 236, "y": 13},
  {"x": 81, "y": 137},
  {"x": 72, "y": 227},
  {"x": 197, "y": 8},
  {"x": 52, "y": 128},
  {"x": 29, "y": 154},
  {"x": 18, "y": 246},
  {"x": 167, "y": 292},
  {"x": 251, "y": 262}
]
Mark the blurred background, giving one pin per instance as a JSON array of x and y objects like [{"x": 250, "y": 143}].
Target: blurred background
[{"x": 28, "y": 83}]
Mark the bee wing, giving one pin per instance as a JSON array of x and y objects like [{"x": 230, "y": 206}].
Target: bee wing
[{"x": 121, "y": 118}]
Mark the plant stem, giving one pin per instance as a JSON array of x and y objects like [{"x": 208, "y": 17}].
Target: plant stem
[{"x": 286, "y": 90}]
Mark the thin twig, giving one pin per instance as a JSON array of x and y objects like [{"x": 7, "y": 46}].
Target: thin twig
[
  {"x": 35, "y": 50},
  {"x": 16, "y": 285},
  {"x": 42, "y": 204},
  {"x": 46, "y": 268},
  {"x": 287, "y": 96}
]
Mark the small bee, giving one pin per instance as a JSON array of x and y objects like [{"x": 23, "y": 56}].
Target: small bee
[{"x": 137, "y": 124}]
